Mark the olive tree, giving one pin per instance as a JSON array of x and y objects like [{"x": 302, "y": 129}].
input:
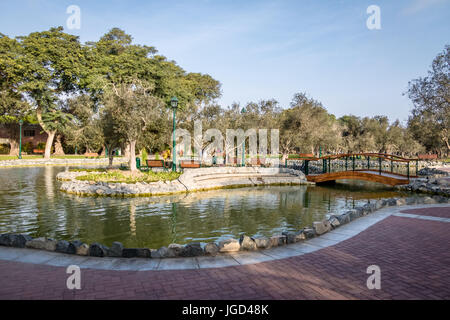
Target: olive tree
[{"x": 132, "y": 109}]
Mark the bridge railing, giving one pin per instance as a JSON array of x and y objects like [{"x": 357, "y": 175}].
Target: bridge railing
[{"x": 375, "y": 162}]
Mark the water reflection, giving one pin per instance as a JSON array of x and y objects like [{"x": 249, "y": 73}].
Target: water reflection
[
  {"x": 31, "y": 203},
  {"x": 132, "y": 219}
]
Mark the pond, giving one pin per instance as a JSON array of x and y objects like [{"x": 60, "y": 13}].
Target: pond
[{"x": 31, "y": 203}]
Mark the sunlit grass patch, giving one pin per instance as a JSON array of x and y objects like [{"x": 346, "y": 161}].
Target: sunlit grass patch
[
  {"x": 129, "y": 177},
  {"x": 88, "y": 170}
]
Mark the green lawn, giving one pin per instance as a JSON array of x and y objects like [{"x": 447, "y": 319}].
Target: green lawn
[
  {"x": 67, "y": 156},
  {"x": 128, "y": 177},
  {"x": 88, "y": 170},
  {"x": 7, "y": 157}
]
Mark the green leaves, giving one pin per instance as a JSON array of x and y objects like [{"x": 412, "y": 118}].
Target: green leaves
[{"x": 430, "y": 119}]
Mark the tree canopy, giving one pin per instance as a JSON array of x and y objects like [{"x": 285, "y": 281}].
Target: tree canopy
[{"x": 429, "y": 122}]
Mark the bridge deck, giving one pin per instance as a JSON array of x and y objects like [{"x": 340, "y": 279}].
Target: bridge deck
[{"x": 368, "y": 175}]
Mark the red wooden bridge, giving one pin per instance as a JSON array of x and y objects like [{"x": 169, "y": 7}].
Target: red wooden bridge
[{"x": 360, "y": 166}]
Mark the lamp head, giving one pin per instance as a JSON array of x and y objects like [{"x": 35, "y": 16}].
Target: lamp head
[{"x": 174, "y": 102}]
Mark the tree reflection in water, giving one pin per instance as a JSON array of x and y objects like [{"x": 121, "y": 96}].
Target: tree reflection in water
[{"x": 31, "y": 203}]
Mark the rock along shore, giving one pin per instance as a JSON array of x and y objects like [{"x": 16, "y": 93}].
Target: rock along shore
[
  {"x": 244, "y": 243},
  {"x": 431, "y": 180}
]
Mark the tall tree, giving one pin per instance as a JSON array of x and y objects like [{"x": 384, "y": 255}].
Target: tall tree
[
  {"x": 133, "y": 109},
  {"x": 13, "y": 106},
  {"x": 429, "y": 122},
  {"x": 306, "y": 126},
  {"x": 52, "y": 64},
  {"x": 84, "y": 131}
]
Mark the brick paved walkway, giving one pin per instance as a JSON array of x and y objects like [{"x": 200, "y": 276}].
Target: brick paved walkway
[
  {"x": 413, "y": 254},
  {"x": 436, "y": 212}
]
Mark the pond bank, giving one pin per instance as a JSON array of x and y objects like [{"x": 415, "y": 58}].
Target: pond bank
[
  {"x": 58, "y": 162},
  {"x": 190, "y": 181},
  {"x": 225, "y": 247}
]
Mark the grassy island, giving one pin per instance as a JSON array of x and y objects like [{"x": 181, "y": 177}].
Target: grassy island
[{"x": 119, "y": 176}]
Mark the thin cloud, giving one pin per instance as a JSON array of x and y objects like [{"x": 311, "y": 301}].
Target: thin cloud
[{"x": 420, "y": 5}]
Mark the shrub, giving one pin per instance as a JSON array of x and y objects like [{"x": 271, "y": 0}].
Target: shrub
[
  {"x": 40, "y": 146},
  {"x": 157, "y": 156},
  {"x": 144, "y": 155},
  {"x": 4, "y": 149},
  {"x": 28, "y": 147}
]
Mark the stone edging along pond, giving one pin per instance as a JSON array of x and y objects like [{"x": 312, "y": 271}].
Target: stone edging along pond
[
  {"x": 245, "y": 243},
  {"x": 190, "y": 181}
]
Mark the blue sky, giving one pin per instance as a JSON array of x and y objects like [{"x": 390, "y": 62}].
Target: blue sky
[{"x": 272, "y": 49}]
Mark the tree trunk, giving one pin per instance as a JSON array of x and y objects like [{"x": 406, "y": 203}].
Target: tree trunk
[
  {"x": 48, "y": 144},
  {"x": 110, "y": 155},
  {"x": 59, "y": 151},
  {"x": 126, "y": 151},
  {"x": 14, "y": 151},
  {"x": 50, "y": 137},
  {"x": 132, "y": 160},
  {"x": 283, "y": 158},
  {"x": 111, "y": 158}
]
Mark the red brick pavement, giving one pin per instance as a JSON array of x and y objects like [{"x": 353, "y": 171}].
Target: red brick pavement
[
  {"x": 443, "y": 212},
  {"x": 413, "y": 255}
]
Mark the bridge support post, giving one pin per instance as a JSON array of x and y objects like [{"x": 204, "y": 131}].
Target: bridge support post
[
  {"x": 329, "y": 165},
  {"x": 346, "y": 158},
  {"x": 353, "y": 162},
  {"x": 379, "y": 161},
  {"x": 306, "y": 167},
  {"x": 407, "y": 170},
  {"x": 417, "y": 168},
  {"x": 368, "y": 162},
  {"x": 324, "y": 166},
  {"x": 392, "y": 166}
]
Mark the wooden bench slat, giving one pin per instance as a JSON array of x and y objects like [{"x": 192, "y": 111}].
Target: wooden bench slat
[
  {"x": 155, "y": 163},
  {"x": 189, "y": 164}
]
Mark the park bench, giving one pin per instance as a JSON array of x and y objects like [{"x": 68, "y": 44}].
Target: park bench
[
  {"x": 427, "y": 156},
  {"x": 157, "y": 164},
  {"x": 189, "y": 164},
  {"x": 258, "y": 161},
  {"x": 91, "y": 155},
  {"x": 38, "y": 151},
  {"x": 306, "y": 155},
  {"x": 232, "y": 161}
]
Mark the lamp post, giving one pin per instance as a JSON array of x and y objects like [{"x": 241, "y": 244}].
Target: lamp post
[
  {"x": 243, "y": 143},
  {"x": 20, "y": 138},
  {"x": 174, "y": 105}
]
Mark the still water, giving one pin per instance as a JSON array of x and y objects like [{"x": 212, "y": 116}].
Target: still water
[{"x": 31, "y": 203}]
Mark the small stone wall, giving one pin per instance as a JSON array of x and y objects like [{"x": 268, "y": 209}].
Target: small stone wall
[
  {"x": 244, "y": 243},
  {"x": 190, "y": 181}
]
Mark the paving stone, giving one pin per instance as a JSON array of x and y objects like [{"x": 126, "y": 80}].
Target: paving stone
[
  {"x": 230, "y": 245},
  {"x": 211, "y": 249},
  {"x": 247, "y": 243},
  {"x": 334, "y": 271},
  {"x": 98, "y": 250},
  {"x": 262, "y": 242},
  {"x": 276, "y": 241},
  {"x": 193, "y": 249},
  {"x": 321, "y": 227},
  {"x": 116, "y": 249}
]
